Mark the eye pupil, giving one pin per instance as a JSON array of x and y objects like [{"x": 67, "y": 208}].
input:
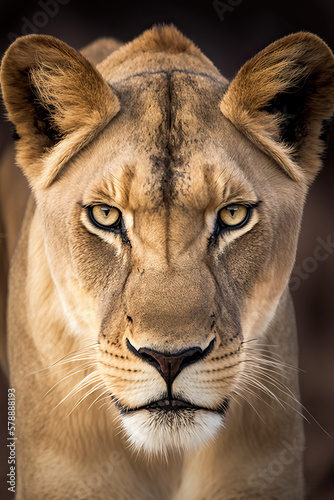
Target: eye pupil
[{"x": 105, "y": 211}]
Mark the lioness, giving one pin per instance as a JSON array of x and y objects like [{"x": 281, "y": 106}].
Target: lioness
[{"x": 151, "y": 335}]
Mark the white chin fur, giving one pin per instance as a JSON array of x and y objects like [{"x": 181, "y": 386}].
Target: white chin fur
[{"x": 157, "y": 432}]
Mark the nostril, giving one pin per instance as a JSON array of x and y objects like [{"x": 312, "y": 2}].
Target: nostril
[
  {"x": 170, "y": 365},
  {"x": 195, "y": 356},
  {"x": 147, "y": 357}
]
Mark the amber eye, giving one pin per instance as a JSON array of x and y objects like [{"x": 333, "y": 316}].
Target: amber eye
[
  {"x": 233, "y": 215},
  {"x": 104, "y": 216}
]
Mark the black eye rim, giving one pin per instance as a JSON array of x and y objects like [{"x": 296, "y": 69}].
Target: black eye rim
[{"x": 115, "y": 227}]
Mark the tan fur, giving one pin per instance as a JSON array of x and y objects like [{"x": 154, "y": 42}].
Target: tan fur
[
  {"x": 158, "y": 133},
  {"x": 14, "y": 194}
]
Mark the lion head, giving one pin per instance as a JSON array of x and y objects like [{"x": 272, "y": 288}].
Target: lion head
[{"x": 169, "y": 201}]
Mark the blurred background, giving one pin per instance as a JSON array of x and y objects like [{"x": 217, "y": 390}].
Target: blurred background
[{"x": 228, "y": 32}]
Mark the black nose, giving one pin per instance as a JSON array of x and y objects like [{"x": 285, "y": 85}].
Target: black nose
[{"x": 170, "y": 365}]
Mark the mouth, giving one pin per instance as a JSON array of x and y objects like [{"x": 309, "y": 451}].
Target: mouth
[{"x": 173, "y": 405}]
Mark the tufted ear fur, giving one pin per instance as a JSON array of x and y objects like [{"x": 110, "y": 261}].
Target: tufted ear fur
[
  {"x": 57, "y": 101},
  {"x": 280, "y": 99}
]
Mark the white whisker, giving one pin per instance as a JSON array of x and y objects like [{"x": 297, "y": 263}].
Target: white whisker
[
  {"x": 85, "y": 382},
  {"x": 88, "y": 393},
  {"x": 73, "y": 372}
]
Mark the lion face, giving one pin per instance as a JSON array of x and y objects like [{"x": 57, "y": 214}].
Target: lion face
[
  {"x": 170, "y": 237},
  {"x": 170, "y": 291}
]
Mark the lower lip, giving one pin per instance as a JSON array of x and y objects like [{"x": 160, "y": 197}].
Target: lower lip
[
  {"x": 155, "y": 407},
  {"x": 170, "y": 407}
]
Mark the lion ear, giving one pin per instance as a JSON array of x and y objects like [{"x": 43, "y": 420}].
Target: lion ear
[
  {"x": 280, "y": 99},
  {"x": 57, "y": 101}
]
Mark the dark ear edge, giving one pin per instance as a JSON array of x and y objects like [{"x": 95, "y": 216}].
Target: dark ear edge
[
  {"x": 57, "y": 101},
  {"x": 280, "y": 100}
]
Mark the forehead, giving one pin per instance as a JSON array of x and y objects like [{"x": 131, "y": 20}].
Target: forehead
[{"x": 169, "y": 144}]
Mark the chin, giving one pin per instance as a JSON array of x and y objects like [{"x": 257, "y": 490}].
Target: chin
[{"x": 158, "y": 430}]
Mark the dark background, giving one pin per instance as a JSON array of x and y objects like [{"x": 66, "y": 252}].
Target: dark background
[{"x": 247, "y": 27}]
